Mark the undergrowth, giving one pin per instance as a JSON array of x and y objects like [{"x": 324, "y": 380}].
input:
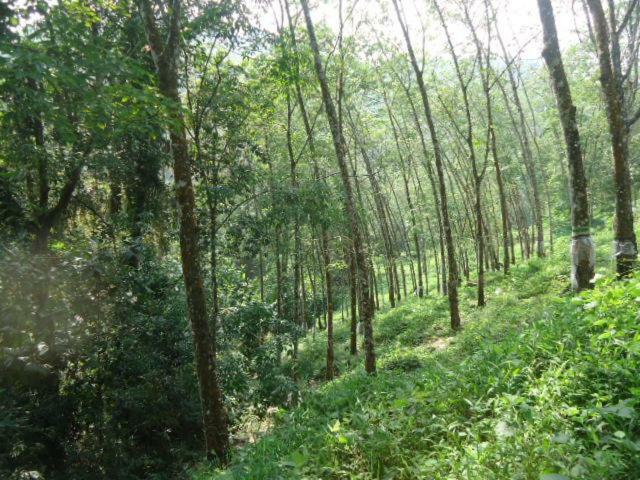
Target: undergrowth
[{"x": 540, "y": 384}]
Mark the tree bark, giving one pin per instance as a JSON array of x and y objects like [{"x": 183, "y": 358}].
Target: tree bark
[
  {"x": 366, "y": 310},
  {"x": 582, "y": 245},
  {"x": 454, "y": 309},
  {"x": 165, "y": 56},
  {"x": 353, "y": 296},
  {"x": 625, "y": 245}
]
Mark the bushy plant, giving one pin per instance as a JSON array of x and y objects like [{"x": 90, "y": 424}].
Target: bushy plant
[
  {"x": 256, "y": 344},
  {"x": 118, "y": 399}
]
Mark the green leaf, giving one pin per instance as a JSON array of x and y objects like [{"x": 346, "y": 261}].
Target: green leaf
[
  {"x": 503, "y": 430},
  {"x": 561, "y": 438},
  {"x": 297, "y": 459},
  {"x": 621, "y": 410},
  {"x": 400, "y": 403},
  {"x": 572, "y": 411}
]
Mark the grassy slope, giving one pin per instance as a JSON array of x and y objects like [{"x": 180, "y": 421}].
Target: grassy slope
[{"x": 537, "y": 385}]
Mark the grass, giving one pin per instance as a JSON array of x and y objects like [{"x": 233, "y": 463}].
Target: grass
[{"x": 538, "y": 385}]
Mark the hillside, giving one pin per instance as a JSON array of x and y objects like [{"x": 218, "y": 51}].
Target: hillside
[{"x": 539, "y": 384}]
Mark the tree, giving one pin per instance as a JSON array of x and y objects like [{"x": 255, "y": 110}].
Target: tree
[
  {"x": 454, "y": 308},
  {"x": 166, "y": 56},
  {"x": 582, "y": 245},
  {"x": 362, "y": 262},
  {"x": 478, "y": 170},
  {"x": 625, "y": 245},
  {"x": 520, "y": 126}
]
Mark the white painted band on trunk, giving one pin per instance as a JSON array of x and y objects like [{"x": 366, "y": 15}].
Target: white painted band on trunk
[
  {"x": 583, "y": 253},
  {"x": 624, "y": 248}
]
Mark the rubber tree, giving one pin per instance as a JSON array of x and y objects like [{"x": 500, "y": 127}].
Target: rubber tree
[
  {"x": 339, "y": 144},
  {"x": 582, "y": 245},
  {"x": 166, "y": 54},
  {"x": 625, "y": 245},
  {"x": 478, "y": 169},
  {"x": 522, "y": 130},
  {"x": 454, "y": 307}
]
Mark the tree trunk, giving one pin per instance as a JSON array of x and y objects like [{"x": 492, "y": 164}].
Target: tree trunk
[
  {"x": 165, "y": 56},
  {"x": 478, "y": 172},
  {"x": 434, "y": 189},
  {"x": 625, "y": 246},
  {"x": 366, "y": 310},
  {"x": 582, "y": 245},
  {"x": 454, "y": 308},
  {"x": 353, "y": 295},
  {"x": 379, "y": 202},
  {"x": 298, "y": 311},
  {"x": 324, "y": 236},
  {"x": 526, "y": 152},
  {"x": 412, "y": 213}
]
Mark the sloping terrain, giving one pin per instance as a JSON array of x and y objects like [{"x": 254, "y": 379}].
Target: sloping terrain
[{"x": 539, "y": 384}]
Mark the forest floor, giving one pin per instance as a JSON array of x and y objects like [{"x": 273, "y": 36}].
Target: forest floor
[{"x": 539, "y": 384}]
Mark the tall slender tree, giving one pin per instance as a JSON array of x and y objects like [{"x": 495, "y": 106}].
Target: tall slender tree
[
  {"x": 454, "y": 307},
  {"x": 166, "y": 56},
  {"x": 625, "y": 245},
  {"x": 582, "y": 246},
  {"x": 478, "y": 169},
  {"x": 520, "y": 125},
  {"x": 339, "y": 144}
]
